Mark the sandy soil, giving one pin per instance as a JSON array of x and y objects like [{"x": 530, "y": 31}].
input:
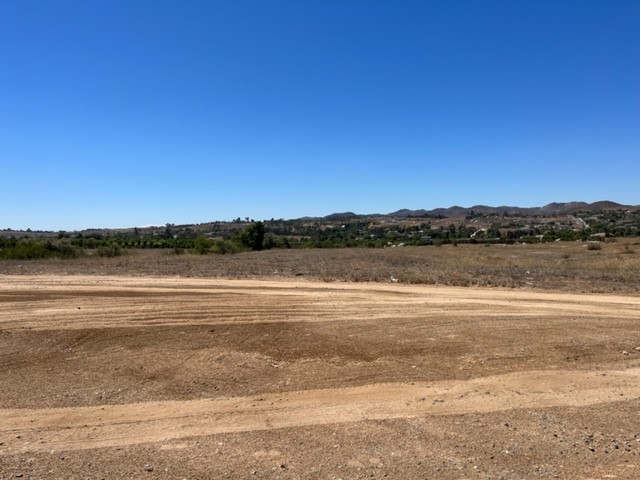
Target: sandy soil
[{"x": 129, "y": 377}]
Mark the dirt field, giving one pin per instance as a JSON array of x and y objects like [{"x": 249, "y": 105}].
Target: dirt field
[{"x": 157, "y": 377}]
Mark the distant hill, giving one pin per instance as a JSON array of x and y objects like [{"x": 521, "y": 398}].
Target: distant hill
[
  {"x": 222, "y": 228},
  {"x": 550, "y": 209},
  {"x": 338, "y": 217}
]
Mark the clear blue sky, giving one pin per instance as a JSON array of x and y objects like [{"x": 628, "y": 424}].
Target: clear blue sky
[{"x": 124, "y": 113}]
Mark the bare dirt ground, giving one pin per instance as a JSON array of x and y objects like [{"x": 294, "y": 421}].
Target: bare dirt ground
[{"x": 165, "y": 377}]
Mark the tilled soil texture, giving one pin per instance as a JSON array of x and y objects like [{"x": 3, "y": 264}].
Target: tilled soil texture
[{"x": 150, "y": 377}]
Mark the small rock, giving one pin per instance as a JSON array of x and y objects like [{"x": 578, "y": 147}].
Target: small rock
[
  {"x": 148, "y": 468},
  {"x": 624, "y": 352},
  {"x": 637, "y": 349}
]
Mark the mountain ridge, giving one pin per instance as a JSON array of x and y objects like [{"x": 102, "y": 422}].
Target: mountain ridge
[{"x": 554, "y": 208}]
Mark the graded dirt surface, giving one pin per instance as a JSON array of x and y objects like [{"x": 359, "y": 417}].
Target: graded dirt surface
[{"x": 159, "y": 377}]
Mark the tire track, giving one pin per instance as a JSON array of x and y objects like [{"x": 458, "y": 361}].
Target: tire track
[
  {"x": 25, "y": 430},
  {"x": 47, "y": 303}
]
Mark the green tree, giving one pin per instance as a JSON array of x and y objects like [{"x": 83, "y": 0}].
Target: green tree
[{"x": 253, "y": 236}]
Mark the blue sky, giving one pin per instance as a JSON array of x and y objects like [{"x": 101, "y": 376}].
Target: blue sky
[{"x": 124, "y": 113}]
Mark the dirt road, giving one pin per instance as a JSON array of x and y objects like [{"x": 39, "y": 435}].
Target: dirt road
[{"x": 123, "y": 377}]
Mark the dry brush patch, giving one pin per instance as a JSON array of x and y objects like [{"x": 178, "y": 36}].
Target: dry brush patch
[{"x": 567, "y": 266}]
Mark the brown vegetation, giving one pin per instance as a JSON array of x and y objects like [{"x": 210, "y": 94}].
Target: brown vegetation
[{"x": 566, "y": 266}]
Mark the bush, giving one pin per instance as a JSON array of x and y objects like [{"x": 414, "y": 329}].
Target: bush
[
  {"x": 109, "y": 251},
  {"x": 224, "y": 246},
  {"x": 202, "y": 245},
  {"x": 26, "y": 249}
]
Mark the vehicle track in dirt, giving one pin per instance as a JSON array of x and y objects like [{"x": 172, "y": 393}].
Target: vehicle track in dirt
[
  {"x": 110, "y": 426},
  {"x": 114, "y": 302}
]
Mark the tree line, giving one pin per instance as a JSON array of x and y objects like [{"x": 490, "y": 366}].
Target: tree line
[{"x": 255, "y": 236}]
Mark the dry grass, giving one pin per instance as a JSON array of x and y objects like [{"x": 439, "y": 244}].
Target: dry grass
[{"x": 569, "y": 266}]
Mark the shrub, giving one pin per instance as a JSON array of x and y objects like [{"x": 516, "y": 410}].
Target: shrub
[
  {"x": 26, "y": 249},
  {"x": 111, "y": 250},
  {"x": 223, "y": 246},
  {"x": 202, "y": 245}
]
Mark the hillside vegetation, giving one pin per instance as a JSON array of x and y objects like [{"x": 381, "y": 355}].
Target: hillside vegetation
[{"x": 555, "y": 222}]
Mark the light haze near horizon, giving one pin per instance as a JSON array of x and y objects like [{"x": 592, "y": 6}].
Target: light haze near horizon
[{"x": 122, "y": 114}]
